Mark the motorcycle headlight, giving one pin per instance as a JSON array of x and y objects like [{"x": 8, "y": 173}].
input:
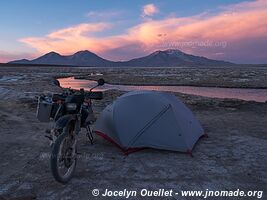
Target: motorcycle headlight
[{"x": 71, "y": 106}]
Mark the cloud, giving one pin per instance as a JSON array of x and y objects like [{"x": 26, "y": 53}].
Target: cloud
[
  {"x": 70, "y": 39},
  {"x": 239, "y": 34},
  {"x": 149, "y": 10},
  {"x": 78, "y": 30}
]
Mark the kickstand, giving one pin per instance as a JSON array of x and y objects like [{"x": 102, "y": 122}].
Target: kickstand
[{"x": 89, "y": 134}]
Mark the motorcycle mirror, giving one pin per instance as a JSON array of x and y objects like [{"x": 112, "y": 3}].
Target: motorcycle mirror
[{"x": 101, "y": 82}]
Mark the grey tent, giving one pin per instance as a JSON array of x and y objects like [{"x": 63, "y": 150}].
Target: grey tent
[{"x": 153, "y": 119}]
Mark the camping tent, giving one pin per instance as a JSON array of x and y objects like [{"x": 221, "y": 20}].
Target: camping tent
[{"x": 153, "y": 119}]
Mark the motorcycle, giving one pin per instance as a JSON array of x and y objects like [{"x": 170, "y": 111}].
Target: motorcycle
[{"x": 68, "y": 112}]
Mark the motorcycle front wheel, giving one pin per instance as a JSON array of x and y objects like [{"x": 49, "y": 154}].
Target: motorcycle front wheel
[{"x": 64, "y": 155}]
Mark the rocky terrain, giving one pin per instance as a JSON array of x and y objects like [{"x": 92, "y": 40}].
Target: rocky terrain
[
  {"x": 234, "y": 156},
  {"x": 238, "y": 77}
]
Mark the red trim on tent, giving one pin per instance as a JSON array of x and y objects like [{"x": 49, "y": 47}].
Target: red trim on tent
[
  {"x": 189, "y": 151},
  {"x": 125, "y": 151},
  {"x": 132, "y": 150}
]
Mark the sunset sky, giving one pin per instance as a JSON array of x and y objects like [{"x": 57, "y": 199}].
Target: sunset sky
[{"x": 232, "y": 30}]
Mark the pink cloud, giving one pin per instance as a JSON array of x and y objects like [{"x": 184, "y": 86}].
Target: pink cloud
[
  {"x": 70, "y": 39},
  {"x": 150, "y": 10},
  {"x": 79, "y": 30},
  {"x": 241, "y": 28}
]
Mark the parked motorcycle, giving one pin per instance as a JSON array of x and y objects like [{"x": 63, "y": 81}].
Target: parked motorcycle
[{"x": 68, "y": 112}]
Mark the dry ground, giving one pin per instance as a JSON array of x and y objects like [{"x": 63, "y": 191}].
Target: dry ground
[{"x": 233, "y": 156}]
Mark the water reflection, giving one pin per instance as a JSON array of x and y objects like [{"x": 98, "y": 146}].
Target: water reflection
[{"x": 259, "y": 95}]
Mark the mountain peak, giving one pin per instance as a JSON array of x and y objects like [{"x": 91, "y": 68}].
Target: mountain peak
[
  {"x": 173, "y": 58},
  {"x": 84, "y": 52},
  {"x": 169, "y": 51},
  {"x": 52, "y": 53}
]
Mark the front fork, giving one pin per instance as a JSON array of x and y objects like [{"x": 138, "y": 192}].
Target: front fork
[{"x": 54, "y": 132}]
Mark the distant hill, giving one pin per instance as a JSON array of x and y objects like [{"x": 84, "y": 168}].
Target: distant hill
[
  {"x": 172, "y": 58},
  {"x": 22, "y": 61},
  {"x": 81, "y": 58},
  {"x": 167, "y": 58}
]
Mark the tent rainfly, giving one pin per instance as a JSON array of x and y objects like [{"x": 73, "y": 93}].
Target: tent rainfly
[{"x": 149, "y": 119}]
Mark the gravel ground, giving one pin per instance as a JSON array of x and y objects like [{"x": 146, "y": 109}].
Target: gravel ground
[{"x": 234, "y": 156}]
